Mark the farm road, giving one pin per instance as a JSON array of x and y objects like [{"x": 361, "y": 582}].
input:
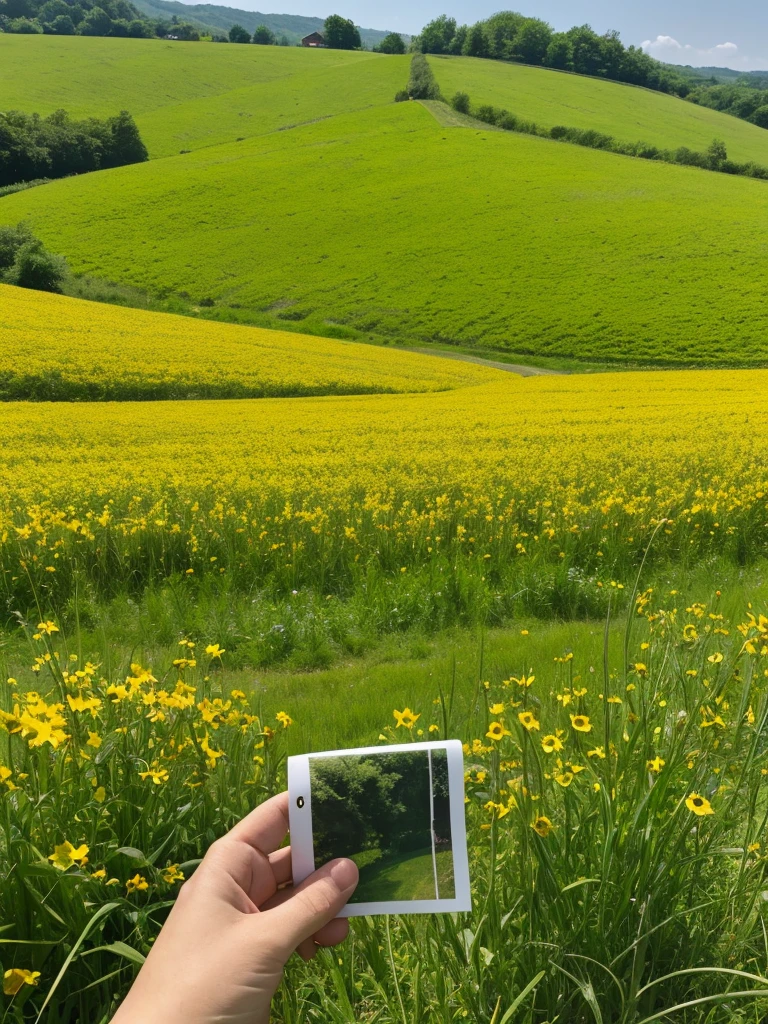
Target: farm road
[{"x": 523, "y": 371}]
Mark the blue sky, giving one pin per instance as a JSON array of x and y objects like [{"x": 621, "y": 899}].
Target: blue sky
[{"x": 699, "y": 32}]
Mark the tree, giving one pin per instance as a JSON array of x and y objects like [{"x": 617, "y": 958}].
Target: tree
[
  {"x": 237, "y": 34},
  {"x": 760, "y": 117},
  {"x": 35, "y": 267},
  {"x": 476, "y": 44},
  {"x": 532, "y": 40},
  {"x": 96, "y": 23},
  {"x": 559, "y": 52},
  {"x": 436, "y": 37},
  {"x": 11, "y": 240},
  {"x": 391, "y": 43},
  {"x": 264, "y": 36},
  {"x": 341, "y": 34},
  {"x": 460, "y": 102},
  {"x": 127, "y": 147},
  {"x": 717, "y": 154},
  {"x": 62, "y": 26},
  {"x": 139, "y": 29}
]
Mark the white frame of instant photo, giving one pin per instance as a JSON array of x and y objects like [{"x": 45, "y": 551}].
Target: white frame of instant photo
[{"x": 302, "y": 845}]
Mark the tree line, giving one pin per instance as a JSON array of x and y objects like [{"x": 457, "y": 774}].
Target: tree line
[
  {"x": 34, "y": 147},
  {"x": 511, "y": 36},
  {"x": 743, "y": 99},
  {"x": 88, "y": 18},
  {"x": 714, "y": 159}
]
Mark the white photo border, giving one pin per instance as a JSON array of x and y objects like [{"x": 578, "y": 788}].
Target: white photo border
[{"x": 302, "y": 845}]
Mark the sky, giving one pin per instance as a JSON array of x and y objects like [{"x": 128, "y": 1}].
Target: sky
[{"x": 697, "y": 32}]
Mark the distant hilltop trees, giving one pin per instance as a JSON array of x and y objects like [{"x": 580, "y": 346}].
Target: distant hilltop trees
[
  {"x": 511, "y": 36},
  {"x": 88, "y": 18}
]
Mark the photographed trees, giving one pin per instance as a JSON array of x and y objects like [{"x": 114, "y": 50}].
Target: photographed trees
[{"x": 341, "y": 33}]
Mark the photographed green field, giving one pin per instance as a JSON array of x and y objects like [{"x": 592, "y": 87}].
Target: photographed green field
[
  {"x": 628, "y": 113},
  {"x": 187, "y": 95},
  {"x": 407, "y": 876},
  {"x": 389, "y": 223}
]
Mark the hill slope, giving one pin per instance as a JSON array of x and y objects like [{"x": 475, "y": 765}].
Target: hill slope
[
  {"x": 390, "y": 223},
  {"x": 184, "y": 95},
  {"x": 628, "y": 113},
  {"x": 221, "y": 18},
  {"x": 56, "y": 348}
]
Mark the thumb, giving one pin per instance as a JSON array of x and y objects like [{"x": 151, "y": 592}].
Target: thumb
[{"x": 313, "y": 904}]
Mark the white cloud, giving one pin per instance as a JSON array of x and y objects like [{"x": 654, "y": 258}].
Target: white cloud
[{"x": 668, "y": 49}]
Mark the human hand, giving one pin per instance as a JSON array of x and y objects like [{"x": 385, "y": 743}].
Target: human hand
[{"x": 220, "y": 955}]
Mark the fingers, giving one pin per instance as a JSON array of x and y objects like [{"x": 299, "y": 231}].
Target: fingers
[
  {"x": 312, "y": 905},
  {"x": 264, "y": 828},
  {"x": 329, "y": 935},
  {"x": 280, "y": 862}
]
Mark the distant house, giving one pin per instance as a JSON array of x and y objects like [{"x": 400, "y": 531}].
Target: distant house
[{"x": 313, "y": 39}]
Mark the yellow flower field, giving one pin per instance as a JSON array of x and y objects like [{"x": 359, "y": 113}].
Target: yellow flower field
[
  {"x": 57, "y": 348},
  {"x": 554, "y": 469}
]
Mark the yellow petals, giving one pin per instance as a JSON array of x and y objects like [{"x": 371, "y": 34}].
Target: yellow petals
[
  {"x": 698, "y": 804},
  {"x": 581, "y": 723},
  {"x": 15, "y": 978},
  {"x": 66, "y": 855}
]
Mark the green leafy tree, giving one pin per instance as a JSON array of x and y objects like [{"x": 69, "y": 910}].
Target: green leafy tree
[
  {"x": 760, "y": 116},
  {"x": 717, "y": 154},
  {"x": 532, "y": 40},
  {"x": 126, "y": 145},
  {"x": 96, "y": 23},
  {"x": 25, "y": 26},
  {"x": 341, "y": 34},
  {"x": 264, "y": 36},
  {"x": 11, "y": 240},
  {"x": 139, "y": 29},
  {"x": 559, "y": 52},
  {"x": 460, "y": 102},
  {"x": 476, "y": 44},
  {"x": 25, "y": 262},
  {"x": 62, "y": 26},
  {"x": 391, "y": 43},
  {"x": 436, "y": 37},
  {"x": 237, "y": 34}
]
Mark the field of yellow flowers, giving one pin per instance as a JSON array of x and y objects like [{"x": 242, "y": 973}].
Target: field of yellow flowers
[
  {"x": 616, "y": 809},
  {"x": 54, "y": 348},
  {"x": 448, "y": 505}
]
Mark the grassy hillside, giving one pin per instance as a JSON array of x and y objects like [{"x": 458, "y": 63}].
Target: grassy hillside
[
  {"x": 184, "y": 95},
  {"x": 388, "y": 222},
  {"x": 56, "y": 348},
  {"x": 628, "y": 113}
]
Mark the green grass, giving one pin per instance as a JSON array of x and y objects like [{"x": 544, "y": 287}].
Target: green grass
[
  {"x": 406, "y": 876},
  {"x": 628, "y": 113},
  {"x": 386, "y": 222},
  {"x": 187, "y": 95}
]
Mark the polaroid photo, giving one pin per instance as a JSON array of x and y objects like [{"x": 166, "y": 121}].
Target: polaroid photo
[{"x": 397, "y": 811}]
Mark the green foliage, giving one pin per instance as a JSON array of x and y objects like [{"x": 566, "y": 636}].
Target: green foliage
[
  {"x": 341, "y": 33},
  {"x": 264, "y": 36},
  {"x": 32, "y": 147},
  {"x": 237, "y": 34},
  {"x": 510, "y": 36},
  {"x": 391, "y": 43},
  {"x": 460, "y": 102},
  {"x": 625, "y": 113},
  {"x": 745, "y": 98},
  {"x": 25, "y": 262},
  {"x": 421, "y": 82}
]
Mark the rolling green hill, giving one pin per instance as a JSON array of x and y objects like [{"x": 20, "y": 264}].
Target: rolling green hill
[
  {"x": 186, "y": 95},
  {"x": 388, "y": 222},
  {"x": 628, "y": 113}
]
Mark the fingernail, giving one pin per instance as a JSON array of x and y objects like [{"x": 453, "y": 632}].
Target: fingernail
[{"x": 344, "y": 873}]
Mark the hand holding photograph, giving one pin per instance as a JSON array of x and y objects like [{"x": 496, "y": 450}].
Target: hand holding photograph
[{"x": 397, "y": 812}]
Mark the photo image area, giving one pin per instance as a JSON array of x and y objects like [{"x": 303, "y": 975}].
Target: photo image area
[{"x": 389, "y": 812}]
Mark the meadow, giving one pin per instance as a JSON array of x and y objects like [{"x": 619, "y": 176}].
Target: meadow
[
  {"x": 339, "y": 544},
  {"x": 54, "y": 348},
  {"x": 185, "y": 96},
  {"x": 615, "y": 819},
  {"x": 557, "y": 250},
  {"x": 627, "y": 112}
]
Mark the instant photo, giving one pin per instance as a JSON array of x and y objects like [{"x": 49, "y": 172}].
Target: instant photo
[{"x": 397, "y": 812}]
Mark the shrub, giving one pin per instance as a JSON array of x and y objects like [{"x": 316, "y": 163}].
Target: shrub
[
  {"x": 460, "y": 102},
  {"x": 422, "y": 84},
  {"x": 401, "y": 96},
  {"x": 392, "y": 43},
  {"x": 237, "y": 34},
  {"x": 25, "y": 262},
  {"x": 264, "y": 36},
  {"x": 486, "y": 113}
]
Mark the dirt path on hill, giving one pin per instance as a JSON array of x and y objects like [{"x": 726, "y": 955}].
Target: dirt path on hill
[{"x": 523, "y": 371}]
